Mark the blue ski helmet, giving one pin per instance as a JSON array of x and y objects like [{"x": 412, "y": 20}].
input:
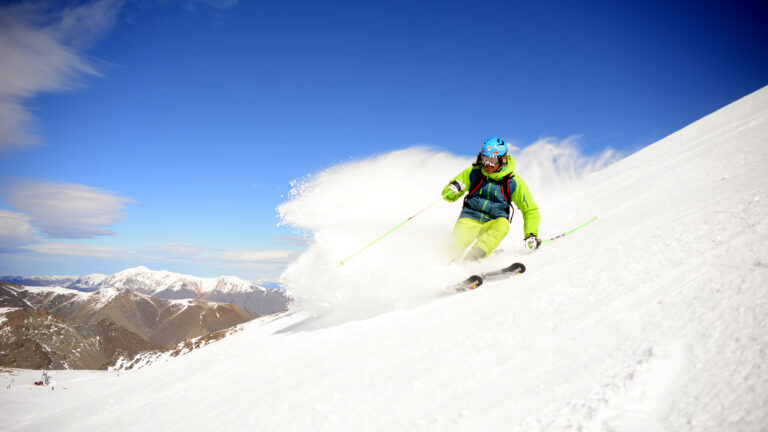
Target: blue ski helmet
[{"x": 494, "y": 147}]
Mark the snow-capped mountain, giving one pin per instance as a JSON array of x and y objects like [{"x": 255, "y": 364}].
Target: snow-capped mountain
[
  {"x": 87, "y": 283},
  {"x": 175, "y": 286},
  {"x": 172, "y": 286},
  {"x": 146, "y": 281},
  {"x": 40, "y": 280}
]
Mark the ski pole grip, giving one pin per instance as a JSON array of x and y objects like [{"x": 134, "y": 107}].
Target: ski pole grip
[{"x": 456, "y": 185}]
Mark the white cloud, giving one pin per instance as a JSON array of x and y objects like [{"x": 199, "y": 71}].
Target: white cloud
[
  {"x": 80, "y": 26},
  {"x": 177, "y": 249},
  {"x": 220, "y": 4},
  {"x": 165, "y": 253},
  {"x": 169, "y": 252},
  {"x": 175, "y": 252},
  {"x": 260, "y": 256},
  {"x": 15, "y": 231},
  {"x": 79, "y": 250},
  {"x": 39, "y": 51},
  {"x": 42, "y": 47},
  {"x": 63, "y": 210},
  {"x": 296, "y": 240},
  {"x": 214, "y": 4}
]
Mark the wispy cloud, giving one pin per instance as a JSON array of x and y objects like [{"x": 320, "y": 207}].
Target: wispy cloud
[
  {"x": 173, "y": 252},
  {"x": 188, "y": 259},
  {"x": 158, "y": 253},
  {"x": 40, "y": 48},
  {"x": 261, "y": 256},
  {"x": 296, "y": 240},
  {"x": 79, "y": 250},
  {"x": 15, "y": 231},
  {"x": 216, "y": 4},
  {"x": 63, "y": 210},
  {"x": 176, "y": 249},
  {"x": 82, "y": 25}
]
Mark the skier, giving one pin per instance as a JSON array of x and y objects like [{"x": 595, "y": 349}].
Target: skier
[{"x": 491, "y": 186}]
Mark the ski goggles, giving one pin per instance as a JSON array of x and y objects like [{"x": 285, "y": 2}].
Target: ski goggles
[{"x": 490, "y": 160}]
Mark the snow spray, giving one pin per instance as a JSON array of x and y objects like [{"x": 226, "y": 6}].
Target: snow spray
[{"x": 344, "y": 206}]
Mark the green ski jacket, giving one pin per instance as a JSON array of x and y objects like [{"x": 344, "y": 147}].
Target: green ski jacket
[{"x": 486, "y": 198}]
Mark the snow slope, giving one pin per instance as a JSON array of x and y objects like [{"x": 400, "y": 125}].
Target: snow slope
[{"x": 652, "y": 318}]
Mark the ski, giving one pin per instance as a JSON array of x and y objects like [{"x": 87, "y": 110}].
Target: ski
[{"x": 475, "y": 281}]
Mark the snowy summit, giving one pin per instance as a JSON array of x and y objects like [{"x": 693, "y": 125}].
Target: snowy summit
[{"x": 146, "y": 281}]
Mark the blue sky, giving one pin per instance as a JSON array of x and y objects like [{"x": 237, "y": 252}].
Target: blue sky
[{"x": 166, "y": 133}]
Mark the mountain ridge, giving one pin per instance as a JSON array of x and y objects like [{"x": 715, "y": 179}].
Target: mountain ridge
[{"x": 170, "y": 286}]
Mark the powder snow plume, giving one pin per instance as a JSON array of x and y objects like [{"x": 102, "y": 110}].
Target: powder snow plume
[{"x": 347, "y": 206}]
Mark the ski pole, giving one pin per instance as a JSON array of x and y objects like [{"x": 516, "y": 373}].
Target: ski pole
[
  {"x": 390, "y": 231},
  {"x": 577, "y": 228}
]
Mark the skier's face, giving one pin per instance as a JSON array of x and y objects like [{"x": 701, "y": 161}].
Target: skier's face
[{"x": 492, "y": 165}]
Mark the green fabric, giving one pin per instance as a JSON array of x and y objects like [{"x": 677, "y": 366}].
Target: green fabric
[
  {"x": 521, "y": 196},
  {"x": 524, "y": 201},
  {"x": 488, "y": 234},
  {"x": 464, "y": 179}
]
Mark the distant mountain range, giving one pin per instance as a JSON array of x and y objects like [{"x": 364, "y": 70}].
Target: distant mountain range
[
  {"x": 94, "y": 321},
  {"x": 263, "y": 299}
]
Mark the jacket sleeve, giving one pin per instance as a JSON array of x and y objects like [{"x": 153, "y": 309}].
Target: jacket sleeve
[
  {"x": 524, "y": 201},
  {"x": 463, "y": 179}
]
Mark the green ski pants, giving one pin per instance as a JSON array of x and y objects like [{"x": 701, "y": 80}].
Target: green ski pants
[{"x": 488, "y": 234}]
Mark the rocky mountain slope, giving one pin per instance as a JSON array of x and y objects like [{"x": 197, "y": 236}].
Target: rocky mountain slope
[
  {"x": 37, "y": 339},
  {"x": 61, "y": 328}
]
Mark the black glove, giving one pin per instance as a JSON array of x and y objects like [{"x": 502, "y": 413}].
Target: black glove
[{"x": 532, "y": 242}]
